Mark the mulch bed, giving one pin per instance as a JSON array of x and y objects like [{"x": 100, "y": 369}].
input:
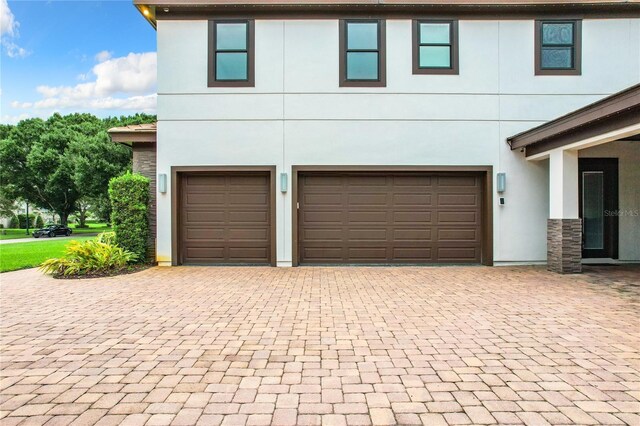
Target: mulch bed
[{"x": 130, "y": 269}]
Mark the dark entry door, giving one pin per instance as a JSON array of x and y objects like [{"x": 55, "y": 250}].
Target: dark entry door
[{"x": 599, "y": 207}]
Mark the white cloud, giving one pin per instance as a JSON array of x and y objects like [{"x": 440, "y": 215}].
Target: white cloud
[
  {"x": 13, "y": 50},
  {"x": 146, "y": 103},
  {"x": 132, "y": 74},
  {"x": 103, "y": 56},
  {"x": 124, "y": 83},
  {"x": 21, "y": 105},
  {"x": 8, "y": 23},
  {"x": 9, "y": 32},
  {"x": 14, "y": 119}
]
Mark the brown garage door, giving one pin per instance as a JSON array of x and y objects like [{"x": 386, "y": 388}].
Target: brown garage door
[
  {"x": 225, "y": 218},
  {"x": 389, "y": 218}
]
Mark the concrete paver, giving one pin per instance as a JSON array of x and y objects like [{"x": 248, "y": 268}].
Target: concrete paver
[{"x": 325, "y": 345}]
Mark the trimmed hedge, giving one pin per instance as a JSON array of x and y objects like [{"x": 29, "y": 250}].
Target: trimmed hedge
[
  {"x": 129, "y": 195},
  {"x": 21, "y": 221}
]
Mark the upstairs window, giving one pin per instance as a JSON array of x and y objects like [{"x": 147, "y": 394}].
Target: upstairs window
[
  {"x": 362, "y": 53},
  {"x": 231, "y": 53},
  {"x": 435, "y": 47},
  {"x": 557, "y": 45}
]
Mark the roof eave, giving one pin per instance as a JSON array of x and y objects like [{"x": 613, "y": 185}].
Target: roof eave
[{"x": 618, "y": 104}]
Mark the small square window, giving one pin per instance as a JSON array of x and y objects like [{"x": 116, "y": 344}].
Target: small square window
[
  {"x": 362, "y": 55},
  {"x": 435, "y": 47},
  {"x": 557, "y": 46},
  {"x": 231, "y": 53}
]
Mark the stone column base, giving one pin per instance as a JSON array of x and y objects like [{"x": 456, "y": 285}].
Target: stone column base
[{"x": 564, "y": 246}]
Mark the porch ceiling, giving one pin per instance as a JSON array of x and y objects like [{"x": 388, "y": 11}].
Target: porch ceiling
[{"x": 619, "y": 112}]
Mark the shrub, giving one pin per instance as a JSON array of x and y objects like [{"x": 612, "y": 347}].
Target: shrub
[
  {"x": 107, "y": 238},
  {"x": 129, "y": 196},
  {"x": 39, "y": 222},
  {"x": 14, "y": 223},
  {"x": 88, "y": 257},
  {"x": 22, "y": 221}
]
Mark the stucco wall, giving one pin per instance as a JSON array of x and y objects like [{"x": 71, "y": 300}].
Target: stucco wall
[{"x": 298, "y": 115}]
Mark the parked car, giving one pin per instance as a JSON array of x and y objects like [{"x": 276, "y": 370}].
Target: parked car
[{"x": 51, "y": 231}]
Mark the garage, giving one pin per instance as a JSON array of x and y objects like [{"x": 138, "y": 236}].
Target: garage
[
  {"x": 226, "y": 218},
  {"x": 389, "y": 218}
]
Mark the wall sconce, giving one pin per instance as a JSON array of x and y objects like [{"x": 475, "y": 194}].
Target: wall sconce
[
  {"x": 162, "y": 183},
  {"x": 284, "y": 182},
  {"x": 501, "y": 183}
]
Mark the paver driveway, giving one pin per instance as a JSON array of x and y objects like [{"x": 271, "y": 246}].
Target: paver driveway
[{"x": 455, "y": 345}]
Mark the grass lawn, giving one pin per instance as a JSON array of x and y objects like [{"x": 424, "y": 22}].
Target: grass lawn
[
  {"x": 94, "y": 228},
  {"x": 12, "y": 234},
  {"x": 29, "y": 255}
]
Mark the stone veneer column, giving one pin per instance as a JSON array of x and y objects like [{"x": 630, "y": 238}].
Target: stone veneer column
[
  {"x": 564, "y": 227},
  {"x": 564, "y": 245},
  {"x": 144, "y": 162}
]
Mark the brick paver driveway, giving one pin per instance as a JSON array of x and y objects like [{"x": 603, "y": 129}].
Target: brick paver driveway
[{"x": 336, "y": 346}]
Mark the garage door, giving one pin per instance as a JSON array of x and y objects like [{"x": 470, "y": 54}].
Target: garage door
[
  {"x": 361, "y": 218},
  {"x": 225, "y": 219}
]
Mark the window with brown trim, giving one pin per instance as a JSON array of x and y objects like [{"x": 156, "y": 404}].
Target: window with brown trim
[
  {"x": 435, "y": 47},
  {"x": 558, "y": 47},
  {"x": 362, "y": 53},
  {"x": 231, "y": 53}
]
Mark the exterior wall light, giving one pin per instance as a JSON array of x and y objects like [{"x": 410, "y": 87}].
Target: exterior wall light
[
  {"x": 162, "y": 183},
  {"x": 284, "y": 182},
  {"x": 501, "y": 183}
]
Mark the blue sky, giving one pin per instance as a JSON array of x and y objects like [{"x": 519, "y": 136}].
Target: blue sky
[{"x": 75, "y": 56}]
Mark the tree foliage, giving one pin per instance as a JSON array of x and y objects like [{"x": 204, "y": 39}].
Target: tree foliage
[{"x": 55, "y": 163}]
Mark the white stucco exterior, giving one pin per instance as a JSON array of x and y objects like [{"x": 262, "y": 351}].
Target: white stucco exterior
[{"x": 298, "y": 115}]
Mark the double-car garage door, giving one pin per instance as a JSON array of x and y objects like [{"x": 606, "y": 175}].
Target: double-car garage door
[
  {"x": 342, "y": 218},
  {"x": 363, "y": 218}
]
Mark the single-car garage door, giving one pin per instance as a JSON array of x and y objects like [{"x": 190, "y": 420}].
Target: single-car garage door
[
  {"x": 361, "y": 218},
  {"x": 225, "y": 218}
]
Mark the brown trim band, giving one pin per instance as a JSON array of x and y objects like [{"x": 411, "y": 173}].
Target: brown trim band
[
  {"x": 410, "y": 10},
  {"x": 487, "y": 202},
  {"x": 176, "y": 174},
  {"x": 133, "y": 137}
]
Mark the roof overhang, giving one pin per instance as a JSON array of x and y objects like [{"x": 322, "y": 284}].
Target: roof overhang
[
  {"x": 606, "y": 116},
  {"x": 154, "y": 10},
  {"x": 134, "y": 134}
]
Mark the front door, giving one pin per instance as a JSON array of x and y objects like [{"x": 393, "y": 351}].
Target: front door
[{"x": 599, "y": 207}]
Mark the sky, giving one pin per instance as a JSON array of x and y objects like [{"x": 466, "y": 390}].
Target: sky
[{"x": 75, "y": 56}]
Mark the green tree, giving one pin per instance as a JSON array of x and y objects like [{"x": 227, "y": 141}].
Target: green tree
[
  {"x": 54, "y": 163},
  {"x": 96, "y": 161},
  {"x": 7, "y": 205}
]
